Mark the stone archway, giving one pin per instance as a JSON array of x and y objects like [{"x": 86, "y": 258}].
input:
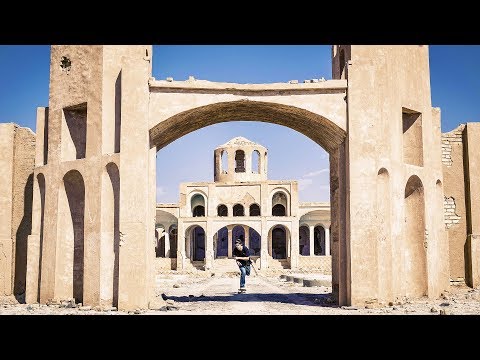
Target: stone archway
[{"x": 138, "y": 116}]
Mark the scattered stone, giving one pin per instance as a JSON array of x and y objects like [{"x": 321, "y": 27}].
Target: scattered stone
[
  {"x": 176, "y": 286},
  {"x": 349, "y": 308},
  {"x": 444, "y": 296},
  {"x": 169, "y": 79},
  {"x": 137, "y": 311},
  {"x": 97, "y": 308},
  {"x": 443, "y": 312},
  {"x": 316, "y": 282},
  {"x": 85, "y": 308},
  {"x": 293, "y": 82},
  {"x": 445, "y": 304},
  {"x": 433, "y": 310},
  {"x": 170, "y": 302},
  {"x": 298, "y": 280},
  {"x": 390, "y": 303},
  {"x": 314, "y": 80}
]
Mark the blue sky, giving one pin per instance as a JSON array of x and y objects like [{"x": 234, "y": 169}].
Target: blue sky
[{"x": 455, "y": 84}]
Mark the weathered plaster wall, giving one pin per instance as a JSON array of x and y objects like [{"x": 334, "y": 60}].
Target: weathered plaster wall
[
  {"x": 384, "y": 83},
  {"x": 17, "y": 156}
]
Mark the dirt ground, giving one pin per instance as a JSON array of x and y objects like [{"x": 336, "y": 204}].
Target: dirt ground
[{"x": 266, "y": 295}]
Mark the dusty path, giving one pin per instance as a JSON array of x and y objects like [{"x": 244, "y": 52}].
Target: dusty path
[{"x": 217, "y": 295}]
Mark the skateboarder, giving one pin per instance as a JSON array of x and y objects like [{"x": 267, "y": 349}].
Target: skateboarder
[{"x": 242, "y": 255}]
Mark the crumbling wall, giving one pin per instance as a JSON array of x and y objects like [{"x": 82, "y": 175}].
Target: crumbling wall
[
  {"x": 454, "y": 203},
  {"x": 17, "y": 157}
]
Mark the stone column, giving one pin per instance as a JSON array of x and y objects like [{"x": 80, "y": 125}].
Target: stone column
[
  {"x": 327, "y": 241},
  {"x": 247, "y": 236},
  {"x": 264, "y": 245},
  {"x": 230, "y": 229},
  {"x": 167, "y": 244},
  {"x": 180, "y": 246},
  {"x": 312, "y": 243},
  {"x": 209, "y": 246}
]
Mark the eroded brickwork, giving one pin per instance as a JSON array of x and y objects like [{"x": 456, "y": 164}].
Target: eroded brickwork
[
  {"x": 448, "y": 139},
  {"x": 451, "y": 217}
]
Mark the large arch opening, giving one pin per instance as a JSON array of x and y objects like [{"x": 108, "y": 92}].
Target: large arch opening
[
  {"x": 325, "y": 133},
  {"x": 70, "y": 235},
  {"x": 415, "y": 249}
]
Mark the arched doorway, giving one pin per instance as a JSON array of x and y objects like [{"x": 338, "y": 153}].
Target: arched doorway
[
  {"x": 255, "y": 242},
  {"x": 279, "y": 242},
  {"x": 198, "y": 243},
  {"x": 238, "y": 232},
  {"x": 319, "y": 240},
  {"x": 222, "y": 242}
]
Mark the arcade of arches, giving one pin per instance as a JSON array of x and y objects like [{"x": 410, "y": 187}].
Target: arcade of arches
[
  {"x": 78, "y": 217},
  {"x": 239, "y": 212}
]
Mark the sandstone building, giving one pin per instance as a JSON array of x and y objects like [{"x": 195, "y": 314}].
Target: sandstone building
[
  {"x": 242, "y": 203},
  {"x": 404, "y": 199}
]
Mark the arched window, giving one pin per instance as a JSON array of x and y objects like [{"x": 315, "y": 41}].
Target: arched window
[
  {"x": 239, "y": 161},
  {"x": 222, "y": 210},
  {"x": 198, "y": 205},
  {"x": 255, "y": 162},
  {"x": 224, "y": 162},
  {"x": 254, "y": 210},
  {"x": 238, "y": 210},
  {"x": 279, "y": 204}
]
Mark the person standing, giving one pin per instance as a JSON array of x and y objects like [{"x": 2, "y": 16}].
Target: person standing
[{"x": 242, "y": 256}]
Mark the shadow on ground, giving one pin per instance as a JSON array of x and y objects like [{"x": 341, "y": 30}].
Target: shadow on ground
[{"x": 291, "y": 298}]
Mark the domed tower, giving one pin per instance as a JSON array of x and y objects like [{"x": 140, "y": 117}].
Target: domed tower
[{"x": 240, "y": 160}]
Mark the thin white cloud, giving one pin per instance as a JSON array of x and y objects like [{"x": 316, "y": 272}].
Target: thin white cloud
[
  {"x": 160, "y": 191},
  {"x": 316, "y": 173},
  {"x": 304, "y": 183}
]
